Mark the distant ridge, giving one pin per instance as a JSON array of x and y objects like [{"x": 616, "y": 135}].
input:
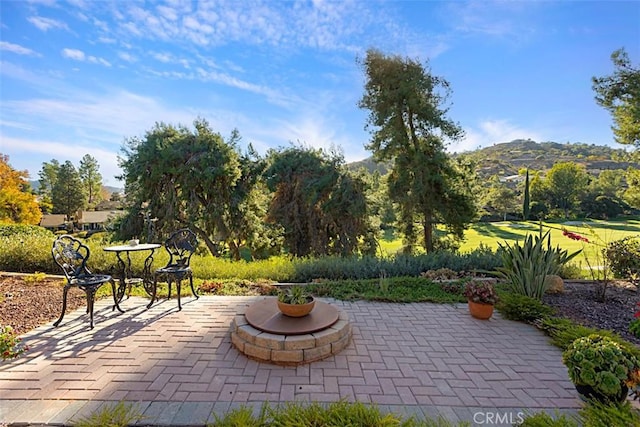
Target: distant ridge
[
  {"x": 507, "y": 158},
  {"x": 36, "y": 184}
]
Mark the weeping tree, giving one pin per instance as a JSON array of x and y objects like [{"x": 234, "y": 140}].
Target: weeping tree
[
  {"x": 321, "y": 208},
  {"x": 410, "y": 127},
  {"x": 188, "y": 178}
]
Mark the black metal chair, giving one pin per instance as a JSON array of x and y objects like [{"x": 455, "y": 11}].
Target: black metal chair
[
  {"x": 181, "y": 245},
  {"x": 72, "y": 255}
]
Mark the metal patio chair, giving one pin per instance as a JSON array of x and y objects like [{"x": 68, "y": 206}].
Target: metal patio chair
[
  {"x": 72, "y": 255},
  {"x": 181, "y": 246}
]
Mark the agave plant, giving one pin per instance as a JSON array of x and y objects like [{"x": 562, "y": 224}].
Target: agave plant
[{"x": 525, "y": 267}]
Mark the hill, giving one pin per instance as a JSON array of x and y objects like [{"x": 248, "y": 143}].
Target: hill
[
  {"x": 36, "y": 184},
  {"x": 507, "y": 158}
]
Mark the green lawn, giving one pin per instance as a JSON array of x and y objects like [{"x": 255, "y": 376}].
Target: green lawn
[{"x": 490, "y": 234}]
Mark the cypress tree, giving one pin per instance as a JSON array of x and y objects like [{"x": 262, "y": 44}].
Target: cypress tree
[{"x": 526, "y": 202}]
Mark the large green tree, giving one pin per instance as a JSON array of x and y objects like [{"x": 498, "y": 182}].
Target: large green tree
[
  {"x": 47, "y": 179},
  {"x": 67, "y": 194},
  {"x": 189, "y": 178},
  {"x": 319, "y": 205},
  {"x": 17, "y": 205},
  {"x": 409, "y": 126},
  {"x": 565, "y": 183},
  {"x": 89, "y": 171},
  {"x": 619, "y": 93},
  {"x": 500, "y": 197}
]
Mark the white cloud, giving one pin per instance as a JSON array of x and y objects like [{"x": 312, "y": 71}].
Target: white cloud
[
  {"x": 45, "y": 24},
  {"x": 15, "y": 48},
  {"x": 125, "y": 56},
  {"x": 74, "y": 54},
  {"x": 491, "y": 132},
  {"x": 78, "y": 55}
]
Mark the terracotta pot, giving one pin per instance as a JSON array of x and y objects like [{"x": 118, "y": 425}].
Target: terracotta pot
[
  {"x": 297, "y": 310},
  {"x": 587, "y": 392},
  {"x": 480, "y": 311}
]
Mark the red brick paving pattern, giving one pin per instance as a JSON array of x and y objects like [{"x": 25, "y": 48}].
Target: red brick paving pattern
[{"x": 414, "y": 358}]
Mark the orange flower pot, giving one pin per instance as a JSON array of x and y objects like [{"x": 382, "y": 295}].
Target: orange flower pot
[
  {"x": 296, "y": 310},
  {"x": 480, "y": 311}
]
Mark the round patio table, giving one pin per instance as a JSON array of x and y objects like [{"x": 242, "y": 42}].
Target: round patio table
[{"x": 125, "y": 275}]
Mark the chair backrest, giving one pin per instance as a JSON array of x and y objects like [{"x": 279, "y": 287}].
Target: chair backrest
[
  {"x": 71, "y": 255},
  {"x": 181, "y": 245}
]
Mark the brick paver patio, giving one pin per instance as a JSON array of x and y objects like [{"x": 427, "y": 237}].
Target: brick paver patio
[{"x": 180, "y": 367}]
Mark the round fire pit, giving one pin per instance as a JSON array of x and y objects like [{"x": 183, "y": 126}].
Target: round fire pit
[{"x": 265, "y": 334}]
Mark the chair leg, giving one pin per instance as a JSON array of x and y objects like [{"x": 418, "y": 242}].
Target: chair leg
[
  {"x": 91, "y": 293},
  {"x": 64, "y": 306},
  {"x": 153, "y": 292},
  {"x": 178, "y": 283},
  {"x": 169, "y": 280},
  {"x": 192, "y": 289}
]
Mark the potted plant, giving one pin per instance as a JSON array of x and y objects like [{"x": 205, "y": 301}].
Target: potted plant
[
  {"x": 601, "y": 369},
  {"x": 295, "y": 301},
  {"x": 481, "y": 296}
]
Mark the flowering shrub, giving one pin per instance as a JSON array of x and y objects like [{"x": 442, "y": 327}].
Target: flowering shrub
[
  {"x": 480, "y": 292},
  {"x": 634, "y": 326},
  {"x": 574, "y": 236},
  {"x": 10, "y": 347}
]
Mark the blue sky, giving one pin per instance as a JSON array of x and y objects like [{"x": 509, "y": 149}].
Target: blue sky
[{"x": 79, "y": 77}]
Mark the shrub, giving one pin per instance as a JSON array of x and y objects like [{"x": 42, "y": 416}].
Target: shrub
[
  {"x": 624, "y": 258},
  {"x": 526, "y": 267},
  {"x": 481, "y": 292},
  {"x": 602, "y": 364},
  {"x": 596, "y": 414},
  {"x": 9, "y": 230},
  {"x": 522, "y": 308},
  {"x": 542, "y": 419},
  {"x": 10, "y": 346}
]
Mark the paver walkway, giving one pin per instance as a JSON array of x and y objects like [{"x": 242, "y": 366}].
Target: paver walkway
[{"x": 180, "y": 367}]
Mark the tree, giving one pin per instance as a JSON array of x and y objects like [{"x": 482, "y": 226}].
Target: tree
[
  {"x": 189, "y": 178},
  {"x": 632, "y": 193},
  {"x": 619, "y": 93},
  {"x": 500, "y": 197},
  {"x": 67, "y": 195},
  {"x": 565, "y": 183},
  {"x": 47, "y": 179},
  {"x": 526, "y": 199},
  {"x": 16, "y": 204},
  {"x": 409, "y": 127},
  {"x": 321, "y": 208},
  {"x": 89, "y": 171}
]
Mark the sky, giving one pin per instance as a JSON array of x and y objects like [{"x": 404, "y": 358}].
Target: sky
[{"x": 81, "y": 77}]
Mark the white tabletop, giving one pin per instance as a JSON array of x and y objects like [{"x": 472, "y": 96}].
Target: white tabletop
[{"x": 133, "y": 248}]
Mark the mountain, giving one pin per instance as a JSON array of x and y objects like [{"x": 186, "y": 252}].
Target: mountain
[
  {"x": 507, "y": 158},
  {"x": 36, "y": 184}
]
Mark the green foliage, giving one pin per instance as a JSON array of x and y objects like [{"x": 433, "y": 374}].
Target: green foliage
[
  {"x": 36, "y": 277},
  {"x": 526, "y": 198},
  {"x": 121, "y": 414},
  {"x": 20, "y": 230},
  {"x": 542, "y": 419},
  {"x": 564, "y": 184},
  {"x": 319, "y": 205},
  {"x": 624, "y": 258},
  {"x": 89, "y": 171},
  {"x": 396, "y": 289},
  {"x": 634, "y": 327},
  {"x": 620, "y": 95},
  {"x": 10, "y": 346},
  {"x": 596, "y": 414},
  {"x": 409, "y": 126},
  {"x": 525, "y": 267},
  {"x": 601, "y": 363},
  {"x": 481, "y": 292},
  {"x": 522, "y": 308},
  {"x": 564, "y": 332},
  {"x": 294, "y": 295},
  {"x": 67, "y": 194},
  {"x": 336, "y": 414}
]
